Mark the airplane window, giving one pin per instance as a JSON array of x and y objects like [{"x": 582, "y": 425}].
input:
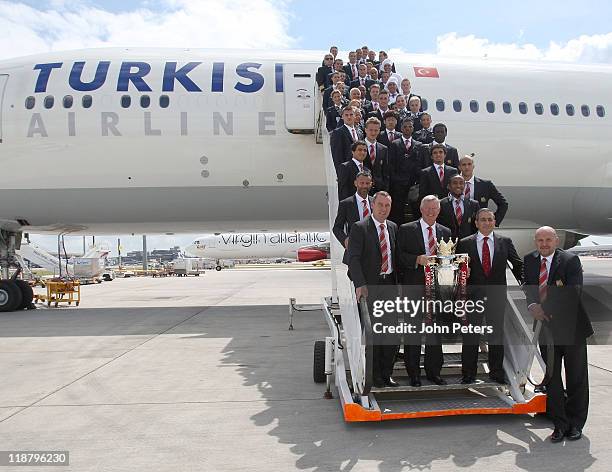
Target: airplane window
[
  {"x": 126, "y": 101},
  {"x": 569, "y": 109},
  {"x": 68, "y": 101},
  {"x": 522, "y": 108},
  {"x": 164, "y": 101},
  {"x": 586, "y": 111},
  {"x": 457, "y": 105},
  {"x": 506, "y": 107},
  {"x": 474, "y": 106},
  {"x": 145, "y": 101},
  {"x": 87, "y": 101},
  {"x": 491, "y": 107},
  {"x": 30, "y": 102},
  {"x": 424, "y": 104},
  {"x": 440, "y": 104},
  {"x": 601, "y": 111},
  {"x": 49, "y": 101},
  {"x": 554, "y": 109},
  {"x": 539, "y": 108}
]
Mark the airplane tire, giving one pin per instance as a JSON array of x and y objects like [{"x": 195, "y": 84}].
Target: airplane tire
[
  {"x": 318, "y": 368},
  {"x": 27, "y": 294},
  {"x": 218, "y": 268},
  {"x": 10, "y": 296}
]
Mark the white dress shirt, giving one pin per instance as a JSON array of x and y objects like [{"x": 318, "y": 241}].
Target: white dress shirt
[
  {"x": 425, "y": 232},
  {"x": 356, "y": 138},
  {"x": 378, "y": 223},
  {"x": 480, "y": 242},
  {"x": 407, "y": 142},
  {"x": 369, "y": 143},
  {"x": 458, "y": 202},
  {"x": 359, "y": 165},
  {"x": 360, "y": 205},
  {"x": 471, "y": 182},
  {"x": 548, "y": 260}
]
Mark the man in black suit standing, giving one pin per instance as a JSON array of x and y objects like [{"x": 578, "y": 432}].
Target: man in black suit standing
[
  {"x": 434, "y": 179},
  {"x": 388, "y": 135},
  {"x": 343, "y": 137},
  {"x": 383, "y": 106},
  {"x": 324, "y": 71},
  {"x": 439, "y": 134},
  {"x": 457, "y": 212},
  {"x": 372, "y": 260},
  {"x": 362, "y": 77},
  {"x": 489, "y": 254},
  {"x": 553, "y": 279},
  {"x": 405, "y": 170},
  {"x": 378, "y": 156},
  {"x": 482, "y": 190},
  {"x": 351, "y": 67},
  {"x": 347, "y": 171},
  {"x": 425, "y": 134},
  {"x": 417, "y": 241},
  {"x": 352, "y": 209}
]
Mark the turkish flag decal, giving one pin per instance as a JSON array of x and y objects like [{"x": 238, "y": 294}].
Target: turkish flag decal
[{"x": 426, "y": 72}]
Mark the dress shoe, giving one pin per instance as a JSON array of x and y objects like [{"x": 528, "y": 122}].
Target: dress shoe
[
  {"x": 415, "y": 381},
  {"x": 389, "y": 382},
  {"x": 557, "y": 435},
  {"x": 540, "y": 389},
  {"x": 573, "y": 434},
  {"x": 436, "y": 379},
  {"x": 468, "y": 379},
  {"x": 378, "y": 383},
  {"x": 500, "y": 379}
]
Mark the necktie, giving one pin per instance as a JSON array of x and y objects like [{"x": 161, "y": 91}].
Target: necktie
[
  {"x": 442, "y": 175},
  {"x": 486, "y": 257},
  {"x": 543, "y": 282},
  {"x": 408, "y": 145},
  {"x": 431, "y": 242},
  {"x": 391, "y": 137},
  {"x": 458, "y": 212},
  {"x": 375, "y": 105},
  {"x": 372, "y": 153},
  {"x": 468, "y": 190},
  {"x": 354, "y": 71},
  {"x": 360, "y": 167},
  {"x": 366, "y": 211},
  {"x": 384, "y": 266},
  {"x": 354, "y": 134}
]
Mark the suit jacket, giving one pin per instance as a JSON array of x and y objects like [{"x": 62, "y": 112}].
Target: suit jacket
[
  {"x": 448, "y": 217},
  {"x": 347, "y": 171},
  {"x": 322, "y": 73},
  {"x": 423, "y": 135},
  {"x": 504, "y": 252},
  {"x": 376, "y": 114},
  {"x": 381, "y": 169},
  {"x": 327, "y": 101},
  {"x": 355, "y": 83},
  {"x": 410, "y": 245},
  {"x": 451, "y": 159},
  {"x": 416, "y": 120},
  {"x": 570, "y": 322},
  {"x": 383, "y": 138},
  {"x": 485, "y": 190},
  {"x": 332, "y": 118},
  {"x": 405, "y": 164},
  {"x": 365, "y": 258},
  {"x": 349, "y": 71},
  {"x": 340, "y": 142},
  {"x": 429, "y": 181},
  {"x": 348, "y": 214}
]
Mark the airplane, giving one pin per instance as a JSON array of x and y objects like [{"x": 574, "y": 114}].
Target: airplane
[
  {"x": 303, "y": 246},
  {"x": 103, "y": 141}
]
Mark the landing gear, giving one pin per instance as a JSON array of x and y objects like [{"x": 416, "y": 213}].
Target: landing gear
[
  {"x": 218, "y": 268},
  {"x": 10, "y": 296},
  {"x": 15, "y": 294}
]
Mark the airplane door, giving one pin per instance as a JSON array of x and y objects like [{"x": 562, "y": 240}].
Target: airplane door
[
  {"x": 3, "y": 81},
  {"x": 300, "y": 91}
]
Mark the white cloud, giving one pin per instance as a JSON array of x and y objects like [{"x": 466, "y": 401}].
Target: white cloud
[
  {"x": 585, "y": 49},
  {"x": 180, "y": 23}
]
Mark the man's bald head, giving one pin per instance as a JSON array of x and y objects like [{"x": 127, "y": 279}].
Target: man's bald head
[{"x": 546, "y": 240}]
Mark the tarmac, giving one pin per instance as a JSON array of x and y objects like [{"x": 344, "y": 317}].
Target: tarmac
[{"x": 202, "y": 374}]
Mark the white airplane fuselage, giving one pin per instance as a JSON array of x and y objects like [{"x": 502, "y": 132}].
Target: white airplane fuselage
[{"x": 220, "y": 156}]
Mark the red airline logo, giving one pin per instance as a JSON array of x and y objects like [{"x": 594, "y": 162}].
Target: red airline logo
[{"x": 426, "y": 72}]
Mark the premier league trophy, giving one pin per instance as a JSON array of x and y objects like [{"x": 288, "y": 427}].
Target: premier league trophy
[{"x": 446, "y": 272}]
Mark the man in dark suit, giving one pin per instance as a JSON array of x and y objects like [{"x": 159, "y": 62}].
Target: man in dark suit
[
  {"x": 439, "y": 134},
  {"x": 383, "y": 106},
  {"x": 333, "y": 114},
  {"x": 482, "y": 190},
  {"x": 416, "y": 243},
  {"x": 405, "y": 157},
  {"x": 343, "y": 137},
  {"x": 456, "y": 212},
  {"x": 489, "y": 254},
  {"x": 388, "y": 135},
  {"x": 434, "y": 179},
  {"x": 414, "y": 107},
  {"x": 378, "y": 156},
  {"x": 324, "y": 71},
  {"x": 352, "y": 209},
  {"x": 553, "y": 286},
  {"x": 347, "y": 171},
  {"x": 335, "y": 78},
  {"x": 425, "y": 134},
  {"x": 362, "y": 77},
  {"x": 351, "y": 67},
  {"x": 372, "y": 260}
]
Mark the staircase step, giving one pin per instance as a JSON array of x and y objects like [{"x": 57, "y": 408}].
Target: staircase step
[{"x": 454, "y": 383}]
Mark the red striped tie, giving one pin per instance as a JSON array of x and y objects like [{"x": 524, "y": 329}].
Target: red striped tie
[
  {"x": 486, "y": 257},
  {"x": 458, "y": 212},
  {"x": 543, "y": 285},
  {"x": 431, "y": 242},
  {"x": 442, "y": 175},
  {"x": 354, "y": 134},
  {"x": 366, "y": 211},
  {"x": 384, "y": 266},
  {"x": 372, "y": 153},
  {"x": 468, "y": 190}
]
